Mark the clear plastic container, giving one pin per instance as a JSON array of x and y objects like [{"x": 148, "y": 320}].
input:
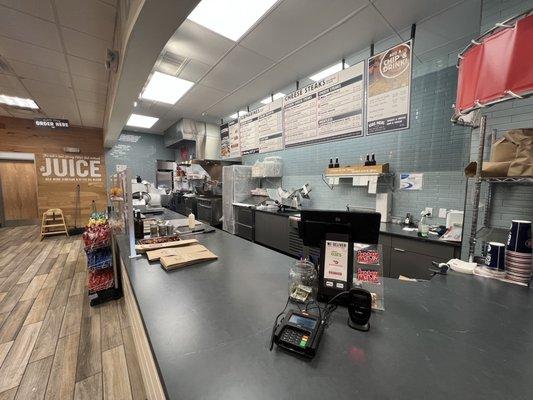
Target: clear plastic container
[{"x": 303, "y": 281}]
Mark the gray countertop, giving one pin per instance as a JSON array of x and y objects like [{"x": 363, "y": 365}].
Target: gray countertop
[
  {"x": 386, "y": 228},
  {"x": 209, "y": 327}
]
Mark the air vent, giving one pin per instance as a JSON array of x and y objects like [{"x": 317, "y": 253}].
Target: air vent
[
  {"x": 4, "y": 67},
  {"x": 170, "y": 63}
]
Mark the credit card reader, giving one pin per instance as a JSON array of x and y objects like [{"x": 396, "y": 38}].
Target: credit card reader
[{"x": 299, "y": 332}]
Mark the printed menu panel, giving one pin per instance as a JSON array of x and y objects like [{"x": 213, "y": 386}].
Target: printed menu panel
[
  {"x": 389, "y": 86},
  {"x": 224, "y": 141},
  {"x": 234, "y": 142},
  {"x": 325, "y": 110},
  {"x": 248, "y": 132},
  {"x": 270, "y": 127}
]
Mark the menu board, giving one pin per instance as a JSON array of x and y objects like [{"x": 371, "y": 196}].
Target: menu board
[
  {"x": 389, "y": 86},
  {"x": 234, "y": 143},
  {"x": 248, "y": 132},
  {"x": 224, "y": 141},
  {"x": 325, "y": 110},
  {"x": 270, "y": 127}
]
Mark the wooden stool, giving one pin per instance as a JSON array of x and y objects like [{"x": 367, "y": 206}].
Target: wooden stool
[{"x": 53, "y": 218}]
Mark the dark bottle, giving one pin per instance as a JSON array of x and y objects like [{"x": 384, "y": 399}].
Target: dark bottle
[
  {"x": 138, "y": 225},
  {"x": 373, "y": 162},
  {"x": 336, "y": 163},
  {"x": 330, "y": 163},
  {"x": 367, "y": 162}
]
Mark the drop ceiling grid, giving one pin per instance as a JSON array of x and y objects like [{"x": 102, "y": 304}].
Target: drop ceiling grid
[
  {"x": 58, "y": 58},
  {"x": 382, "y": 12}
]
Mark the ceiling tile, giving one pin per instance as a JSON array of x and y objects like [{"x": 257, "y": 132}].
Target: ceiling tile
[
  {"x": 236, "y": 68},
  {"x": 193, "y": 70},
  {"x": 29, "y": 29},
  {"x": 194, "y": 41},
  {"x": 91, "y": 85},
  {"x": 25, "y": 114},
  {"x": 270, "y": 82},
  {"x": 85, "y": 46},
  {"x": 14, "y": 91},
  {"x": 402, "y": 14},
  {"x": 58, "y": 107},
  {"x": 363, "y": 29},
  {"x": 91, "y": 114},
  {"x": 90, "y": 16},
  {"x": 19, "y": 51},
  {"x": 36, "y": 72},
  {"x": 9, "y": 81},
  {"x": 92, "y": 97},
  {"x": 37, "y": 8},
  {"x": 196, "y": 101},
  {"x": 4, "y": 113},
  {"x": 86, "y": 68},
  {"x": 295, "y": 22},
  {"x": 40, "y": 87}
]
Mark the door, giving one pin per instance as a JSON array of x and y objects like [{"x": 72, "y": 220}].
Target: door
[{"x": 18, "y": 185}]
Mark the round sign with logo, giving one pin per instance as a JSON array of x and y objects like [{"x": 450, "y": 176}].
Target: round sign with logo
[{"x": 395, "y": 61}]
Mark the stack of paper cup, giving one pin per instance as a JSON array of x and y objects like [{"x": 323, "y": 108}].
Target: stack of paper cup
[{"x": 518, "y": 256}]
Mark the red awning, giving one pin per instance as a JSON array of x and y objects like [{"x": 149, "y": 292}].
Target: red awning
[{"x": 497, "y": 67}]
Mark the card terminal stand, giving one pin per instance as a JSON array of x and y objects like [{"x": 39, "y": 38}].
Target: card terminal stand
[
  {"x": 335, "y": 232},
  {"x": 299, "y": 332}
]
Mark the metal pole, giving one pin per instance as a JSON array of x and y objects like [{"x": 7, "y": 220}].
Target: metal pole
[{"x": 477, "y": 188}]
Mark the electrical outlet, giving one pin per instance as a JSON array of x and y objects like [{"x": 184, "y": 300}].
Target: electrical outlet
[
  {"x": 429, "y": 210},
  {"x": 442, "y": 213}
]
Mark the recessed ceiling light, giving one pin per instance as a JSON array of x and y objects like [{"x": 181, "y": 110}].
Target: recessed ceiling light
[
  {"x": 18, "y": 102},
  {"x": 267, "y": 100},
  {"x": 141, "y": 121},
  {"x": 327, "y": 72},
  {"x": 229, "y": 18},
  {"x": 165, "y": 88}
]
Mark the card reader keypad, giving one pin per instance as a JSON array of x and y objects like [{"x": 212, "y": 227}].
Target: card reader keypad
[{"x": 295, "y": 337}]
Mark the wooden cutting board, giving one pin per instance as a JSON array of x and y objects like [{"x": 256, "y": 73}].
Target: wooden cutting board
[
  {"x": 143, "y": 248},
  {"x": 188, "y": 255}
]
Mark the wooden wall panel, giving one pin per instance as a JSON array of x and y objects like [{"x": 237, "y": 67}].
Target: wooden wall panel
[{"x": 20, "y": 135}]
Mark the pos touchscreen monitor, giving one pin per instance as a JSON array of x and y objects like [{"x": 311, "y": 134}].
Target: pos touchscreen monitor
[{"x": 335, "y": 232}]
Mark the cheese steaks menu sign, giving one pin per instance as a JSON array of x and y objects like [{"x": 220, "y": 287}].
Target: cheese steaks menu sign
[
  {"x": 65, "y": 168},
  {"x": 325, "y": 110},
  {"x": 389, "y": 84},
  {"x": 51, "y": 123}
]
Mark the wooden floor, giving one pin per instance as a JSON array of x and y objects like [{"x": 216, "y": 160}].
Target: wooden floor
[{"x": 53, "y": 345}]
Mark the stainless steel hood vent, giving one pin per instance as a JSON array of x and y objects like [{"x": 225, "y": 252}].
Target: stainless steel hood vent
[{"x": 183, "y": 130}]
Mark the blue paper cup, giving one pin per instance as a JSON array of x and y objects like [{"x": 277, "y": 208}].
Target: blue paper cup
[
  {"x": 495, "y": 258},
  {"x": 519, "y": 239}
]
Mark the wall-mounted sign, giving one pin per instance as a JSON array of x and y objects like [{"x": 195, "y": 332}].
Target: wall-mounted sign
[
  {"x": 64, "y": 168},
  {"x": 224, "y": 141},
  {"x": 325, "y": 110},
  {"x": 410, "y": 181},
  {"x": 270, "y": 127},
  {"x": 234, "y": 141},
  {"x": 389, "y": 87},
  {"x": 51, "y": 123}
]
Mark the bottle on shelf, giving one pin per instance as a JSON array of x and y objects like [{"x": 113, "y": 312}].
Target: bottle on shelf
[
  {"x": 138, "y": 225},
  {"x": 367, "y": 162},
  {"x": 330, "y": 163},
  {"x": 336, "y": 163},
  {"x": 373, "y": 161}
]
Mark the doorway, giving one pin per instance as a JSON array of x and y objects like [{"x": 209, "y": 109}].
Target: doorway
[{"x": 18, "y": 193}]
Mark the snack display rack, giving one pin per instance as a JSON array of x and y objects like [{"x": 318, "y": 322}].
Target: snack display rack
[{"x": 102, "y": 280}]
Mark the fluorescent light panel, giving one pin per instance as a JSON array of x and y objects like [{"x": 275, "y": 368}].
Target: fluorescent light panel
[
  {"x": 268, "y": 99},
  {"x": 165, "y": 88},
  {"x": 18, "y": 102},
  {"x": 229, "y": 18},
  {"x": 141, "y": 121},
  {"x": 327, "y": 72}
]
